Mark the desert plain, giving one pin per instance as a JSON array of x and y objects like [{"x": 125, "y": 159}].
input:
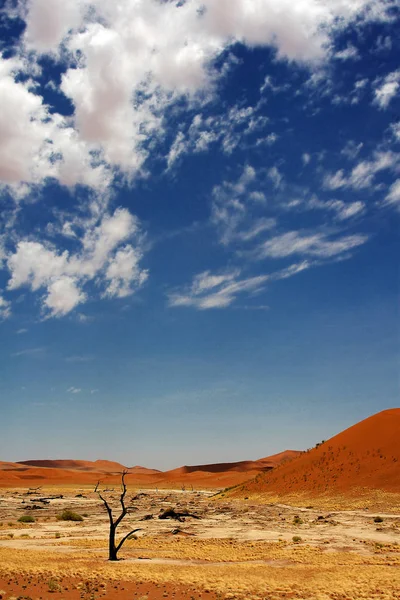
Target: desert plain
[{"x": 317, "y": 525}]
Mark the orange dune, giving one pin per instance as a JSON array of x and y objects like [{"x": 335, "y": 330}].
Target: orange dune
[
  {"x": 105, "y": 466},
  {"x": 57, "y": 472},
  {"x": 367, "y": 455}
]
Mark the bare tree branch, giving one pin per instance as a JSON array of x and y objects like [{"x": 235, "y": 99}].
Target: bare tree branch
[
  {"x": 126, "y": 537},
  {"x": 113, "y": 548}
]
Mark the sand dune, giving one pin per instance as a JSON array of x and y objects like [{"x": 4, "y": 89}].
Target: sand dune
[
  {"x": 80, "y": 472},
  {"x": 367, "y": 455},
  {"x": 100, "y": 466}
]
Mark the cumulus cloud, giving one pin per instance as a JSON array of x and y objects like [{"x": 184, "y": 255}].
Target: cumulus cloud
[
  {"x": 37, "y": 144},
  {"x": 124, "y": 65},
  {"x": 127, "y": 61},
  {"x": 62, "y": 275}
]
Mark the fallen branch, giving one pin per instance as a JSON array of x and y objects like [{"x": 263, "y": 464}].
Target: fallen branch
[{"x": 170, "y": 513}]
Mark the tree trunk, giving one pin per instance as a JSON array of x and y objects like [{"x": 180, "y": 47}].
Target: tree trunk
[{"x": 112, "y": 550}]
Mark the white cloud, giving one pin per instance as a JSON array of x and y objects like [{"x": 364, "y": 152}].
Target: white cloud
[
  {"x": 395, "y": 131},
  {"x": 74, "y": 390},
  {"x": 238, "y": 206},
  {"x": 348, "y": 53},
  {"x": 351, "y": 150},
  {"x": 393, "y": 197},
  {"x": 315, "y": 245},
  {"x": 63, "y": 275},
  {"x": 29, "y": 352},
  {"x": 5, "y": 308},
  {"x": 209, "y": 291},
  {"x": 383, "y": 44},
  {"x": 63, "y": 295},
  {"x": 335, "y": 181},
  {"x": 257, "y": 227},
  {"x": 230, "y": 130},
  {"x": 275, "y": 176},
  {"x": 37, "y": 144},
  {"x": 362, "y": 175},
  {"x": 129, "y": 60},
  {"x": 216, "y": 291},
  {"x": 306, "y": 158},
  {"x": 122, "y": 270},
  {"x": 341, "y": 209},
  {"x": 49, "y": 21},
  {"x": 387, "y": 90}
]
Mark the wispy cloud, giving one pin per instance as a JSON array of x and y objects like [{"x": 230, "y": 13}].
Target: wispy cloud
[
  {"x": 316, "y": 245},
  {"x": 74, "y": 390},
  {"x": 393, "y": 197},
  {"x": 29, "y": 352},
  {"x": 79, "y": 358},
  {"x": 363, "y": 174},
  {"x": 216, "y": 291},
  {"x": 5, "y": 308},
  {"x": 235, "y": 202}
]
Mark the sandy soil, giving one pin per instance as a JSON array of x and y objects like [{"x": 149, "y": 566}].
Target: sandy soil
[{"x": 236, "y": 549}]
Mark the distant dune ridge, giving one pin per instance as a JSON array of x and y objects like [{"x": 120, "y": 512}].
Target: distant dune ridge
[
  {"x": 47, "y": 472},
  {"x": 367, "y": 455},
  {"x": 98, "y": 466}
]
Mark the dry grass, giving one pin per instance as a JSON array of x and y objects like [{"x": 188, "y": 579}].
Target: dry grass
[
  {"x": 376, "y": 500},
  {"x": 306, "y": 572}
]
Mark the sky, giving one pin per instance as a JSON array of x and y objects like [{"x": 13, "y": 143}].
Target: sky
[{"x": 199, "y": 226}]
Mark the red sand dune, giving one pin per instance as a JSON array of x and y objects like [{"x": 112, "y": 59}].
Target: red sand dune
[
  {"x": 263, "y": 464},
  {"x": 105, "y": 466},
  {"x": 367, "y": 455},
  {"x": 58, "y": 472}
]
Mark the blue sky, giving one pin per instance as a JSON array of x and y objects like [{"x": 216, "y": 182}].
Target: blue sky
[{"x": 199, "y": 226}]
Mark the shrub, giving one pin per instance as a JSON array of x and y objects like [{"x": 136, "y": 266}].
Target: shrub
[
  {"x": 296, "y": 539},
  {"x": 69, "y": 515},
  {"x": 378, "y": 520},
  {"x": 54, "y": 586},
  {"x": 26, "y": 519},
  {"x": 57, "y": 535},
  {"x": 297, "y": 521}
]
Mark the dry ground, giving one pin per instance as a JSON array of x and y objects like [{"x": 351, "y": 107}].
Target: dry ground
[{"x": 236, "y": 549}]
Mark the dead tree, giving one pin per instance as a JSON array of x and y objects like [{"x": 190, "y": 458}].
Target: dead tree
[{"x": 113, "y": 547}]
